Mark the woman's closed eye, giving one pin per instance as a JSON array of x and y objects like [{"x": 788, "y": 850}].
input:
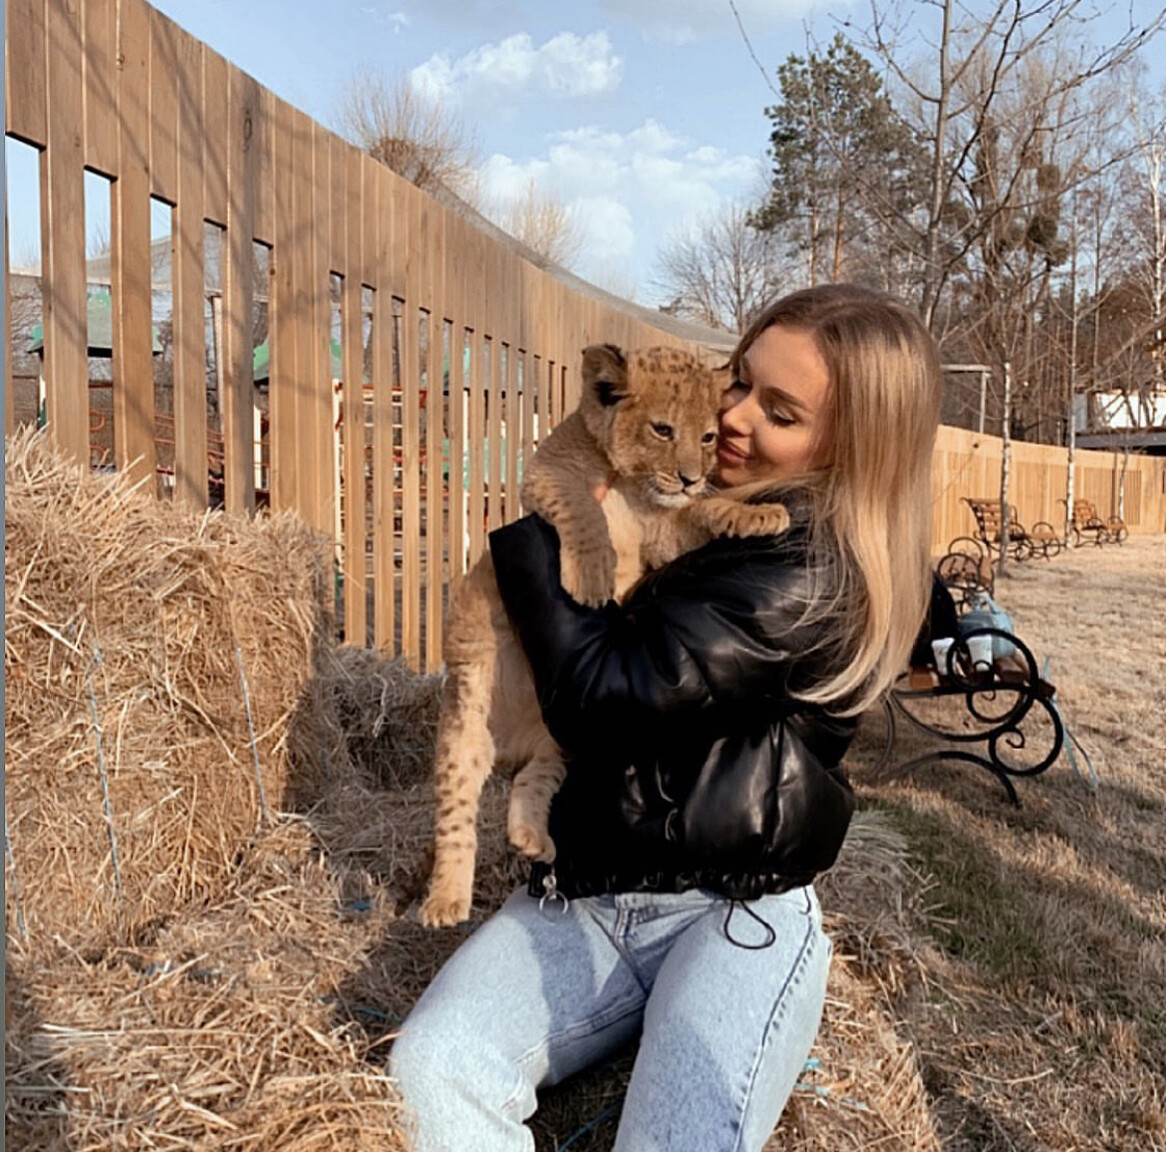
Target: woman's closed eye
[{"x": 779, "y": 416}]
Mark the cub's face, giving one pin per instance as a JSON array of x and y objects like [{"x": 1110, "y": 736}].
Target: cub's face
[{"x": 654, "y": 412}]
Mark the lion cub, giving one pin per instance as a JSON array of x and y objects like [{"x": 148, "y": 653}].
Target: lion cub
[{"x": 645, "y": 428}]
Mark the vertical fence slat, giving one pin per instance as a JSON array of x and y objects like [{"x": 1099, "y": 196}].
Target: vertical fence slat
[
  {"x": 436, "y": 541},
  {"x": 100, "y": 84},
  {"x": 282, "y": 379},
  {"x": 455, "y": 290},
  {"x": 348, "y": 161},
  {"x": 190, "y": 459},
  {"x": 457, "y": 447},
  {"x": 512, "y": 413},
  {"x": 215, "y": 88},
  {"x": 25, "y": 76},
  {"x": 477, "y": 437},
  {"x": 164, "y": 35},
  {"x": 378, "y": 238},
  {"x": 63, "y": 237},
  {"x": 319, "y": 329},
  {"x": 8, "y": 334},
  {"x": 476, "y": 459},
  {"x": 133, "y": 362},
  {"x": 261, "y": 142},
  {"x": 238, "y": 395},
  {"x": 407, "y": 240}
]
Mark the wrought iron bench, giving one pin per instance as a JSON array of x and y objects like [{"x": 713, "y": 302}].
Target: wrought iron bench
[
  {"x": 1024, "y": 543},
  {"x": 1086, "y": 523},
  {"x": 997, "y": 714}
]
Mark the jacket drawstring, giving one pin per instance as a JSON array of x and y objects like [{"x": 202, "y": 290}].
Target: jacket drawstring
[{"x": 770, "y": 934}]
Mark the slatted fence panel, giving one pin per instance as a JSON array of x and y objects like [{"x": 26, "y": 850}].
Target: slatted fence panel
[{"x": 116, "y": 86}]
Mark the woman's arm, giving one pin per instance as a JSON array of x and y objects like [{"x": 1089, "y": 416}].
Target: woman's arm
[{"x": 708, "y": 633}]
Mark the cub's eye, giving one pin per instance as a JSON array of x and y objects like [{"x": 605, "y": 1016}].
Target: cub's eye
[
  {"x": 664, "y": 431},
  {"x": 708, "y": 438}
]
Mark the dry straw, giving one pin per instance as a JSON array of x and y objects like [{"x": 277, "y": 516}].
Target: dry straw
[
  {"x": 174, "y": 954},
  {"x": 130, "y": 765},
  {"x": 192, "y": 967}
]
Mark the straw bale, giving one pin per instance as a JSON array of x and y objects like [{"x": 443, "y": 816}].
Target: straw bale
[
  {"x": 225, "y": 1030},
  {"x": 138, "y": 633},
  {"x": 365, "y": 720}
]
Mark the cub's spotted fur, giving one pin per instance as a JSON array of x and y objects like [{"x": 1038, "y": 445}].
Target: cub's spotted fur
[{"x": 645, "y": 429}]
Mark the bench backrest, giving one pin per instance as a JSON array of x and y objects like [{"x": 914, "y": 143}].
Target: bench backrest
[
  {"x": 989, "y": 516},
  {"x": 1084, "y": 512}
]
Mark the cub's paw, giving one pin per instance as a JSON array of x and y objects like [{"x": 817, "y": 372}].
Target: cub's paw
[
  {"x": 443, "y": 911},
  {"x": 589, "y": 578},
  {"x": 533, "y": 842},
  {"x": 732, "y": 518}
]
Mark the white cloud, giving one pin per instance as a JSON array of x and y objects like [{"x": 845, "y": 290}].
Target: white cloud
[
  {"x": 565, "y": 65},
  {"x": 628, "y": 190},
  {"x": 608, "y": 226},
  {"x": 395, "y": 20}
]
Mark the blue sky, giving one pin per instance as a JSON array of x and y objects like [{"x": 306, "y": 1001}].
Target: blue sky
[{"x": 640, "y": 115}]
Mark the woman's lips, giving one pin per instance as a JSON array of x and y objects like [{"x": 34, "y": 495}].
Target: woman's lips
[{"x": 727, "y": 454}]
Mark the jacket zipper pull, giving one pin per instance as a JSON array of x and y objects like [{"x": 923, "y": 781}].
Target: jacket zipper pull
[{"x": 549, "y": 901}]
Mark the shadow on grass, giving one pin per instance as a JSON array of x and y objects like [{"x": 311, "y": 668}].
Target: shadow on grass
[{"x": 1049, "y": 921}]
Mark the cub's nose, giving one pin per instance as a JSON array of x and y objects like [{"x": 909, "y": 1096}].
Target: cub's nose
[{"x": 689, "y": 481}]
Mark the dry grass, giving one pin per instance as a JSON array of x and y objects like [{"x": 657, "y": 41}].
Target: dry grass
[
  {"x": 999, "y": 974},
  {"x": 1039, "y": 1020}
]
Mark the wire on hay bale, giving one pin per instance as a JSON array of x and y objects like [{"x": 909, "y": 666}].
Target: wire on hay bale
[
  {"x": 153, "y": 659},
  {"x": 175, "y": 943}
]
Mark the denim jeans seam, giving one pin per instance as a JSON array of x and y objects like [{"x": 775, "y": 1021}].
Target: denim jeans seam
[{"x": 780, "y": 1008}]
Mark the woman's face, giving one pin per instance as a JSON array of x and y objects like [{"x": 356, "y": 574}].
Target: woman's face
[{"x": 774, "y": 421}]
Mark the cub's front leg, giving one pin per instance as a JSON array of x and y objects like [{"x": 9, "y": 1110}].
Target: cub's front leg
[
  {"x": 717, "y": 516},
  {"x": 559, "y": 485}
]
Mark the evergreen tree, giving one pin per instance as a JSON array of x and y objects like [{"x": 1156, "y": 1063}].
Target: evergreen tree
[{"x": 847, "y": 169}]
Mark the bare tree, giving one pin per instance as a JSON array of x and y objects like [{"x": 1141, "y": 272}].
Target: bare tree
[
  {"x": 410, "y": 133},
  {"x": 956, "y": 96},
  {"x": 542, "y": 222},
  {"x": 720, "y": 273},
  {"x": 1148, "y": 117}
]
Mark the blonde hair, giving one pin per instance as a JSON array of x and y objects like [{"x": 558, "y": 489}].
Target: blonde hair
[{"x": 871, "y": 508}]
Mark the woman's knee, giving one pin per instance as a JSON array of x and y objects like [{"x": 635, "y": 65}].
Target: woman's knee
[{"x": 419, "y": 1061}]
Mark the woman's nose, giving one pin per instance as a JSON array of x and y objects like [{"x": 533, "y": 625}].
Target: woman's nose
[{"x": 735, "y": 412}]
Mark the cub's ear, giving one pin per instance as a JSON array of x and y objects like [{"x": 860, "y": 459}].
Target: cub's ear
[{"x": 605, "y": 373}]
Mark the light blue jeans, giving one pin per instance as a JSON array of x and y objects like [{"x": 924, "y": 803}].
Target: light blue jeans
[{"x": 532, "y": 997}]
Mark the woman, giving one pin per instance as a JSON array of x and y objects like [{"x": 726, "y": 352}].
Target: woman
[{"x": 704, "y": 723}]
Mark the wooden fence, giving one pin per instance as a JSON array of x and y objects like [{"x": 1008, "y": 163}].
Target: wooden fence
[
  {"x": 464, "y": 348},
  {"x": 432, "y": 309},
  {"x": 968, "y": 464}
]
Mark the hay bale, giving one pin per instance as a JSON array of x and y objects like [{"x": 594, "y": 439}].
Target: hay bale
[
  {"x": 225, "y": 1030},
  {"x": 138, "y": 633},
  {"x": 365, "y": 720}
]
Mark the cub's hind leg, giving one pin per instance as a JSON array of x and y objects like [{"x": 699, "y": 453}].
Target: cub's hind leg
[
  {"x": 465, "y": 756},
  {"x": 465, "y": 744}
]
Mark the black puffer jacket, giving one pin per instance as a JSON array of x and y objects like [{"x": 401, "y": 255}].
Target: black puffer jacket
[{"x": 689, "y": 765}]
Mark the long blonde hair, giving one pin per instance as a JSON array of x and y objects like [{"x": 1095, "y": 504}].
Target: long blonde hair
[{"x": 871, "y": 508}]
